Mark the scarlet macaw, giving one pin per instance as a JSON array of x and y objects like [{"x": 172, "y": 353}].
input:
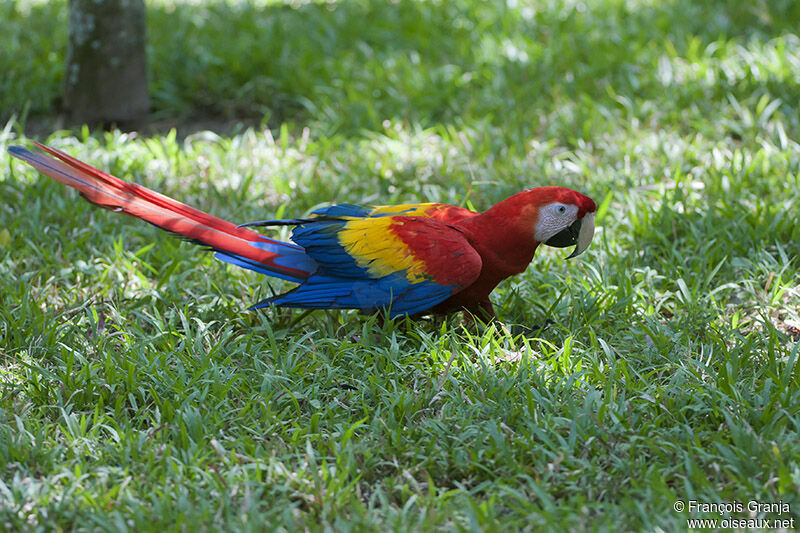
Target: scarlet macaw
[{"x": 409, "y": 259}]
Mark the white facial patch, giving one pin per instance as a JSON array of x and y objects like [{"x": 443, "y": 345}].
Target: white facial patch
[{"x": 554, "y": 218}]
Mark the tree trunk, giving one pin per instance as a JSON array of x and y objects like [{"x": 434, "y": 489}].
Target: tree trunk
[{"x": 105, "y": 80}]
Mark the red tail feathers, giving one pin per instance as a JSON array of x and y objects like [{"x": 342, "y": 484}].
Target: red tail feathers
[{"x": 235, "y": 245}]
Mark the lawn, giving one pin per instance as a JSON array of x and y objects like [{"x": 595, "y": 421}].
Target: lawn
[{"x": 137, "y": 392}]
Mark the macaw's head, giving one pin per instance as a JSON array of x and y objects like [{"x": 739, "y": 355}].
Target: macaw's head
[{"x": 560, "y": 217}]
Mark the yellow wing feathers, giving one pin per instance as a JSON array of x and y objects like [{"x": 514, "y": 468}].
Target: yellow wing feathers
[{"x": 375, "y": 247}]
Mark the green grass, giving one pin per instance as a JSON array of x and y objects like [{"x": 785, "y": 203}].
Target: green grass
[{"x": 138, "y": 393}]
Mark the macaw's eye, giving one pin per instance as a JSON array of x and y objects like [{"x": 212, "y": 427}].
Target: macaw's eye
[{"x": 562, "y": 209}]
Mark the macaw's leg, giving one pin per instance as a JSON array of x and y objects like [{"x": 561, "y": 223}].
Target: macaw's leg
[
  {"x": 491, "y": 318},
  {"x": 483, "y": 311},
  {"x": 486, "y": 311},
  {"x": 534, "y": 330}
]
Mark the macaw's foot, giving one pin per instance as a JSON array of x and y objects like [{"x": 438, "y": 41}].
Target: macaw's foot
[
  {"x": 477, "y": 316},
  {"x": 531, "y": 331}
]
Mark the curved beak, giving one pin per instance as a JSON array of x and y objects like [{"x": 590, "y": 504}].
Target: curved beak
[{"x": 579, "y": 234}]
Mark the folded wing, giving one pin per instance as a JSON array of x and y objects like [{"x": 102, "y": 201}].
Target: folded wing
[{"x": 404, "y": 264}]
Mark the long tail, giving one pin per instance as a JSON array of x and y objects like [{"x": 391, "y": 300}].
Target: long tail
[{"x": 238, "y": 246}]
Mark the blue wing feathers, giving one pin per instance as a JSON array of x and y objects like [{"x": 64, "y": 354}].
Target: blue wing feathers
[
  {"x": 340, "y": 281},
  {"x": 391, "y": 292},
  {"x": 243, "y": 262},
  {"x": 291, "y": 256},
  {"x": 344, "y": 210}
]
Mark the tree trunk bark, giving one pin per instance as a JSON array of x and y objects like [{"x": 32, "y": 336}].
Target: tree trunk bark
[{"x": 105, "y": 80}]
